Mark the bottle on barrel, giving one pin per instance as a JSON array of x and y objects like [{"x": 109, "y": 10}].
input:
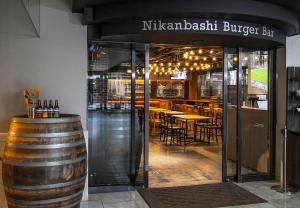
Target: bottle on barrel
[
  {"x": 45, "y": 110},
  {"x": 50, "y": 110},
  {"x": 56, "y": 113},
  {"x": 39, "y": 110}
]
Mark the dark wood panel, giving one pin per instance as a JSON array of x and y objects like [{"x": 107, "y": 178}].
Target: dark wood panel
[{"x": 293, "y": 160}]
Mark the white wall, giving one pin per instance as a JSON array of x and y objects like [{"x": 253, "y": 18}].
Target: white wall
[
  {"x": 293, "y": 51},
  {"x": 56, "y": 62}
]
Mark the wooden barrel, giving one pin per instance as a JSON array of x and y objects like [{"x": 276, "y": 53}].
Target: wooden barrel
[{"x": 44, "y": 163}]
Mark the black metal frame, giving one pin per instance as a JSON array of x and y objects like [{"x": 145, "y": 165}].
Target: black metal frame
[
  {"x": 132, "y": 118},
  {"x": 146, "y": 120}
]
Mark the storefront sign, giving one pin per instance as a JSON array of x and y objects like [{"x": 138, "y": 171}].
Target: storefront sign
[{"x": 210, "y": 26}]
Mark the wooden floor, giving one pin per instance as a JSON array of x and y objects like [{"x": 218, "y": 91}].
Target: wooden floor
[{"x": 179, "y": 165}]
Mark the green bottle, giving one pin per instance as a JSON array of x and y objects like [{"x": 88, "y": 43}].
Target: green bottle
[{"x": 56, "y": 113}]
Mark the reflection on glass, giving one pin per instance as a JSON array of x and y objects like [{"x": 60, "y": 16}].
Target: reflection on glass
[
  {"x": 232, "y": 65},
  {"x": 109, "y": 97},
  {"x": 255, "y": 113}
]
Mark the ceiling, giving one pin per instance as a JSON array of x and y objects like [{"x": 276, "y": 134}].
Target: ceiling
[{"x": 79, "y": 5}]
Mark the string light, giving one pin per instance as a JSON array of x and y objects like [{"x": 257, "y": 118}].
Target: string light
[
  {"x": 211, "y": 51},
  {"x": 186, "y": 55},
  {"x": 214, "y": 59},
  {"x": 200, "y": 51},
  {"x": 204, "y": 58},
  {"x": 235, "y": 58}
]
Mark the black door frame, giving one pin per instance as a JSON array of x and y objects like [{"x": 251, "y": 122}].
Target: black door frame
[
  {"x": 239, "y": 177},
  {"x": 145, "y": 124}
]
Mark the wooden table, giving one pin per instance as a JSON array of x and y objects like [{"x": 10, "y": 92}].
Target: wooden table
[
  {"x": 174, "y": 112},
  {"x": 190, "y": 117}
]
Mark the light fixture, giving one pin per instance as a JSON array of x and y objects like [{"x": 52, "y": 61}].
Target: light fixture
[
  {"x": 211, "y": 51},
  {"x": 195, "y": 64},
  {"x": 187, "y": 63},
  {"x": 192, "y": 52},
  {"x": 246, "y": 58},
  {"x": 161, "y": 64},
  {"x": 200, "y": 51},
  {"x": 170, "y": 64},
  {"x": 190, "y": 57},
  {"x": 214, "y": 59},
  {"x": 204, "y": 58},
  {"x": 186, "y": 55},
  {"x": 196, "y": 57},
  {"x": 235, "y": 58}
]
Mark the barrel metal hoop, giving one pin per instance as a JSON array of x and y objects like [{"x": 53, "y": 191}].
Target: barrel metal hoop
[
  {"x": 46, "y": 135},
  {"x": 46, "y": 146},
  {"x": 67, "y": 119},
  {"x": 48, "y": 186},
  {"x": 48, "y": 201},
  {"x": 42, "y": 164}
]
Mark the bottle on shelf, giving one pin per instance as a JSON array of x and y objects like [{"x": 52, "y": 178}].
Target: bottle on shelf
[
  {"x": 45, "y": 110},
  {"x": 50, "y": 110},
  {"x": 56, "y": 113},
  {"x": 39, "y": 110}
]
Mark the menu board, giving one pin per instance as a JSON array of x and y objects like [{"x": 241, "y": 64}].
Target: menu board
[{"x": 170, "y": 89}]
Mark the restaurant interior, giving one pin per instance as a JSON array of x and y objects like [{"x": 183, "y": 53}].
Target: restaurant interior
[{"x": 185, "y": 114}]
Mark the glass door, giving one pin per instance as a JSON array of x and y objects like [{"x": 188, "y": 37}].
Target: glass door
[
  {"x": 117, "y": 113},
  {"x": 248, "y": 115},
  {"x": 230, "y": 162}
]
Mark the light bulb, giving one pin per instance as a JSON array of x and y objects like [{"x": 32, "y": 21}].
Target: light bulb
[{"x": 200, "y": 51}]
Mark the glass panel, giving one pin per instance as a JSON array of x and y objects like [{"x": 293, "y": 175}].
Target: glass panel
[
  {"x": 139, "y": 114},
  {"x": 109, "y": 109},
  {"x": 231, "y": 62},
  {"x": 255, "y": 150}
]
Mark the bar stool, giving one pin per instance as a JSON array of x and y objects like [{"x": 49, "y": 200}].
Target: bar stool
[
  {"x": 212, "y": 130},
  {"x": 173, "y": 130}
]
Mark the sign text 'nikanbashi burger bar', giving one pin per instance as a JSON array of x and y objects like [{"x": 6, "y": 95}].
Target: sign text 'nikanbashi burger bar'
[{"x": 222, "y": 26}]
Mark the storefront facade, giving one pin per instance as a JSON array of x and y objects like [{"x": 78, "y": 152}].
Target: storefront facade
[{"x": 240, "y": 27}]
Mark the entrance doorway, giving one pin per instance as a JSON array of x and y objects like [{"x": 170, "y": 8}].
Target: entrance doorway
[
  {"x": 174, "y": 115},
  {"x": 186, "y": 115}
]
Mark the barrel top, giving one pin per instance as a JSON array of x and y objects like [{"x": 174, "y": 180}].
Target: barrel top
[{"x": 64, "y": 118}]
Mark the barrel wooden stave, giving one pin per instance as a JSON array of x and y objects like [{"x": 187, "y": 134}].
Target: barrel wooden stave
[{"x": 44, "y": 163}]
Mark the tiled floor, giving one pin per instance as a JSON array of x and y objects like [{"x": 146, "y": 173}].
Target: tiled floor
[{"x": 179, "y": 165}]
